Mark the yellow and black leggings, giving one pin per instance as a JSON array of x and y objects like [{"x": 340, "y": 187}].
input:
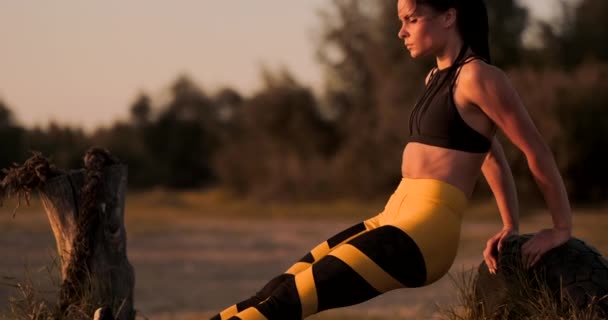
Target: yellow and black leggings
[{"x": 411, "y": 243}]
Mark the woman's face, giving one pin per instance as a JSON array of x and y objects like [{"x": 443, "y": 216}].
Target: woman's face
[{"x": 421, "y": 29}]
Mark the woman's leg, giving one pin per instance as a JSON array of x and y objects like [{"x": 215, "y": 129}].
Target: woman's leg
[
  {"x": 316, "y": 254},
  {"x": 368, "y": 265},
  {"x": 413, "y": 245},
  {"x": 325, "y": 247}
]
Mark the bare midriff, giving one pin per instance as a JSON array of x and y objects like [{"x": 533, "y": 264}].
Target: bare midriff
[{"x": 458, "y": 168}]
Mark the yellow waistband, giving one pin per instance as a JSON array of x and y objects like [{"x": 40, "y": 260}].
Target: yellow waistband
[{"x": 442, "y": 191}]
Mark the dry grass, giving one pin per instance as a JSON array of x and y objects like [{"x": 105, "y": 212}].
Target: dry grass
[
  {"x": 531, "y": 302},
  {"x": 29, "y": 301},
  {"x": 221, "y": 203},
  {"x": 159, "y": 206},
  {"x": 33, "y": 300},
  {"x": 156, "y": 210},
  {"x": 152, "y": 211}
]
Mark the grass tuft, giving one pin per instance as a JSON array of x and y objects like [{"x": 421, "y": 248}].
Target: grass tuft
[
  {"x": 29, "y": 301},
  {"x": 33, "y": 300},
  {"x": 532, "y": 299}
]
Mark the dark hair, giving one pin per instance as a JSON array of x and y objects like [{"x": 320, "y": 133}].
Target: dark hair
[{"x": 472, "y": 22}]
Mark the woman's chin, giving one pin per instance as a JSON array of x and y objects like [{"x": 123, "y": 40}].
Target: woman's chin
[{"x": 416, "y": 53}]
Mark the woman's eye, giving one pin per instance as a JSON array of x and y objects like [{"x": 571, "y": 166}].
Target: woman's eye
[{"x": 412, "y": 20}]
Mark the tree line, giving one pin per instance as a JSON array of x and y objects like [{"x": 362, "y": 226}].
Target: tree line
[{"x": 287, "y": 142}]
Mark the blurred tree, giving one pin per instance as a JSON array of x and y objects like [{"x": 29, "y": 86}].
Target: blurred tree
[
  {"x": 140, "y": 110},
  {"x": 278, "y": 144},
  {"x": 579, "y": 34},
  {"x": 568, "y": 107},
  {"x": 183, "y": 138},
  {"x": 125, "y": 141},
  {"x": 6, "y": 116},
  {"x": 11, "y": 138},
  {"x": 508, "y": 20},
  {"x": 582, "y": 113},
  {"x": 227, "y": 101},
  {"x": 62, "y": 144},
  {"x": 370, "y": 87}
]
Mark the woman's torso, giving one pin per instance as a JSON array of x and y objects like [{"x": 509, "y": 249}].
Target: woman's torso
[{"x": 456, "y": 167}]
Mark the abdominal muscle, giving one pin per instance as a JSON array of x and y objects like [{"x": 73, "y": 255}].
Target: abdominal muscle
[{"x": 458, "y": 168}]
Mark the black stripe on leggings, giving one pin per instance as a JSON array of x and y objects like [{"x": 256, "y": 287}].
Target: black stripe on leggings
[
  {"x": 345, "y": 234},
  {"x": 338, "y": 285},
  {"x": 284, "y": 302},
  {"x": 264, "y": 293},
  {"x": 308, "y": 258},
  {"x": 395, "y": 252}
]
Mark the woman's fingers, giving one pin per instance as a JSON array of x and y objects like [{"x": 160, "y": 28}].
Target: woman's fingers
[
  {"x": 493, "y": 246},
  {"x": 488, "y": 258},
  {"x": 532, "y": 258},
  {"x": 489, "y": 254},
  {"x": 532, "y": 251},
  {"x": 527, "y": 251},
  {"x": 491, "y": 262},
  {"x": 535, "y": 259},
  {"x": 500, "y": 241}
]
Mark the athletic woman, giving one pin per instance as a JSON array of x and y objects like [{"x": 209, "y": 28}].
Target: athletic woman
[{"x": 413, "y": 241}]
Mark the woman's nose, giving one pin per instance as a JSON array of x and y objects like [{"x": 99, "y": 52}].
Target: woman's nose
[{"x": 402, "y": 34}]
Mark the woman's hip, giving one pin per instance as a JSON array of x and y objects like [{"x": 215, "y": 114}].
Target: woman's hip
[{"x": 430, "y": 212}]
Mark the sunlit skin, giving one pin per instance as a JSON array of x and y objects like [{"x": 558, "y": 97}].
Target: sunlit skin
[{"x": 486, "y": 101}]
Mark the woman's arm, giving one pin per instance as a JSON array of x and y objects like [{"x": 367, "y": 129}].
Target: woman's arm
[
  {"x": 488, "y": 87},
  {"x": 497, "y": 172}
]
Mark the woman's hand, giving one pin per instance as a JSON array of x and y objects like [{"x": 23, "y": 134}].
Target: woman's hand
[
  {"x": 543, "y": 241},
  {"x": 494, "y": 244}
]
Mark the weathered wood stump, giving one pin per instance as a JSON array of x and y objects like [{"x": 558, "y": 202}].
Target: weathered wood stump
[
  {"x": 85, "y": 209},
  {"x": 573, "y": 273},
  {"x": 103, "y": 314}
]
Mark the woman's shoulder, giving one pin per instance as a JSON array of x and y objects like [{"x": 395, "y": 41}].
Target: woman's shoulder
[
  {"x": 479, "y": 67},
  {"x": 478, "y": 72}
]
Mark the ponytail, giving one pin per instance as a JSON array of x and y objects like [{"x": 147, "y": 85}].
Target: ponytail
[{"x": 473, "y": 26}]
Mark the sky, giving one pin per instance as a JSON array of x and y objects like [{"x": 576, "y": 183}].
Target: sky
[{"x": 83, "y": 63}]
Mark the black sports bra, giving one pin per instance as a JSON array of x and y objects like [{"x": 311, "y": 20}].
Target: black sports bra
[{"x": 435, "y": 119}]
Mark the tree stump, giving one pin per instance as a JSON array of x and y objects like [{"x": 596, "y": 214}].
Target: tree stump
[
  {"x": 85, "y": 209},
  {"x": 573, "y": 273},
  {"x": 103, "y": 314}
]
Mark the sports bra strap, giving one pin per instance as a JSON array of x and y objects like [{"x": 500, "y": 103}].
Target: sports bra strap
[{"x": 459, "y": 67}]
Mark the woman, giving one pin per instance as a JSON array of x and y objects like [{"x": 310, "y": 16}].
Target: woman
[{"x": 413, "y": 241}]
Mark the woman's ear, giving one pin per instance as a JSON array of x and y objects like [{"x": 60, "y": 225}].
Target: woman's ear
[{"x": 449, "y": 18}]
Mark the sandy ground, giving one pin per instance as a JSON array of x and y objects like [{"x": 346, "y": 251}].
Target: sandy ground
[{"x": 193, "y": 267}]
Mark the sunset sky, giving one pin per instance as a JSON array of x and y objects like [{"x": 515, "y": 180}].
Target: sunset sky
[{"x": 83, "y": 63}]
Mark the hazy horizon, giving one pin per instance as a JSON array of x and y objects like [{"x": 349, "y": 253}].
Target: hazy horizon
[{"x": 57, "y": 56}]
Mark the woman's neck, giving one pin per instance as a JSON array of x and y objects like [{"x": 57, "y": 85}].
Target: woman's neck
[{"x": 446, "y": 57}]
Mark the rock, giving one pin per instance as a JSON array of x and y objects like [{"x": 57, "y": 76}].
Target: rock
[{"x": 575, "y": 267}]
